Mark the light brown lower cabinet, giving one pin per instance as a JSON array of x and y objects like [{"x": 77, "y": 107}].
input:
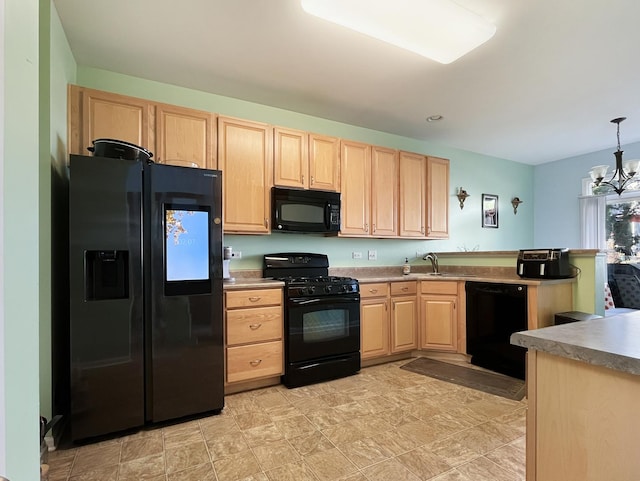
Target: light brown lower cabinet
[
  {"x": 582, "y": 421},
  {"x": 404, "y": 316},
  {"x": 439, "y": 315},
  {"x": 374, "y": 320},
  {"x": 253, "y": 334},
  {"x": 388, "y": 318}
]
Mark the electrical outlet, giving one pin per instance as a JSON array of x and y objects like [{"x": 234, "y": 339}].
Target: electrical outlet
[
  {"x": 373, "y": 255},
  {"x": 236, "y": 255},
  {"x": 356, "y": 255}
]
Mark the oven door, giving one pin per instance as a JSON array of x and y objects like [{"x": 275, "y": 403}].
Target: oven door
[{"x": 322, "y": 326}]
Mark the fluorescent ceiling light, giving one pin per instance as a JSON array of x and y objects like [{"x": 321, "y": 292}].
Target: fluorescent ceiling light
[{"x": 437, "y": 29}]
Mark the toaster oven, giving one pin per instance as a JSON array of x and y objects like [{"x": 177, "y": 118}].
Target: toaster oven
[{"x": 544, "y": 263}]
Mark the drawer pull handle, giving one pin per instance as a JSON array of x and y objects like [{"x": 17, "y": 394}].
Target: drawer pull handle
[
  {"x": 253, "y": 327},
  {"x": 255, "y": 298},
  {"x": 373, "y": 291},
  {"x": 255, "y": 362},
  {"x": 405, "y": 289}
]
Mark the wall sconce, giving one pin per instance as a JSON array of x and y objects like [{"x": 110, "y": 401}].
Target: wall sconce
[
  {"x": 462, "y": 196},
  {"x": 515, "y": 202}
]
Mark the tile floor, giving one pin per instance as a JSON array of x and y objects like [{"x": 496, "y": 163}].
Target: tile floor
[{"x": 383, "y": 424}]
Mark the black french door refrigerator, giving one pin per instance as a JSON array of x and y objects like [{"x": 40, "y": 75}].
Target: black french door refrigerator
[{"x": 145, "y": 262}]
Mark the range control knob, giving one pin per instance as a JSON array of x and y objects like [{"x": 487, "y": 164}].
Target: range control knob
[
  {"x": 327, "y": 289},
  {"x": 310, "y": 290},
  {"x": 346, "y": 288}
]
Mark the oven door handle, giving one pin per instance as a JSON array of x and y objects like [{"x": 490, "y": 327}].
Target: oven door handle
[{"x": 303, "y": 301}]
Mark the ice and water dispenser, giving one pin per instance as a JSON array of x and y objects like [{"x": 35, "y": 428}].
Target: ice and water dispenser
[{"x": 106, "y": 275}]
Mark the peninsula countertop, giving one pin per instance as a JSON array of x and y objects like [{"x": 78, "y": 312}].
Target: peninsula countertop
[{"x": 612, "y": 342}]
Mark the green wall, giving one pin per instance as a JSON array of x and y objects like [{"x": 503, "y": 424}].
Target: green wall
[
  {"x": 61, "y": 70},
  {"x": 21, "y": 232},
  {"x": 476, "y": 173}
]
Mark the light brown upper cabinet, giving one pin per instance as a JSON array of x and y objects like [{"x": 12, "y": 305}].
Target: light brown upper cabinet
[
  {"x": 245, "y": 156},
  {"x": 413, "y": 194},
  {"x": 324, "y": 162},
  {"x": 369, "y": 189},
  {"x": 175, "y": 135},
  {"x": 384, "y": 192},
  {"x": 94, "y": 114},
  {"x": 290, "y": 158},
  {"x": 437, "y": 198},
  {"x": 305, "y": 161},
  {"x": 355, "y": 188},
  {"x": 185, "y": 137}
]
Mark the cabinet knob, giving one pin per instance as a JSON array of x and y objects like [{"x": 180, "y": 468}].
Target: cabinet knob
[
  {"x": 374, "y": 227},
  {"x": 255, "y": 362},
  {"x": 312, "y": 180},
  {"x": 253, "y": 327},
  {"x": 266, "y": 223},
  {"x": 303, "y": 178},
  {"x": 366, "y": 227}
]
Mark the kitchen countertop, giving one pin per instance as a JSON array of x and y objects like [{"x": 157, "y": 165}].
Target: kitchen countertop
[
  {"x": 612, "y": 342},
  {"x": 504, "y": 275},
  {"x": 462, "y": 277},
  {"x": 251, "y": 283},
  {"x": 252, "y": 279}
]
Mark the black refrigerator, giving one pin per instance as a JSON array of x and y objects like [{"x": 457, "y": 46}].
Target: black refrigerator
[{"x": 145, "y": 280}]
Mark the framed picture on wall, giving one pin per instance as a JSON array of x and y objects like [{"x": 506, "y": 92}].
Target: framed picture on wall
[{"x": 489, "y": 210}]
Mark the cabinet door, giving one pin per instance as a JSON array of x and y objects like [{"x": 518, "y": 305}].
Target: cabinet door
[
  {"x": 185, "y": 137},
  {"x": 245, "y": 156},
  {"x": 374, "y": 327},
  {"x": 404, "y": 316},
  {"x": 437, "y": 198},
  {"x": 413, "y": 194},
  {"x": 439, "y": 322},
  {"x": 324, "y": 163},
  {"x": 291, "y": 158},
  {"x": 384, "y": 192},
  {"x": 355, "y": 188},
  {"x": 97, "y": 115}
]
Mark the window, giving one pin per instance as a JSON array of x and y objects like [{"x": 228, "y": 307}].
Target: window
[
  {"x": 618, "y": 230},
  {"x": 622, "y": 228}
]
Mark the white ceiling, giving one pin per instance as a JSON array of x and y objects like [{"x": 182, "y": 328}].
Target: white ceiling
[{"x": 543, "y": 88}]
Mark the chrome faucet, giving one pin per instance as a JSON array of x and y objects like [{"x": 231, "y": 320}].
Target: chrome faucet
[{"x": 431, "y": 256}]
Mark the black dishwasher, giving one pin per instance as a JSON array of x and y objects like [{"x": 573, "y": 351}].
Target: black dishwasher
[{"x": 494, "y": 312}]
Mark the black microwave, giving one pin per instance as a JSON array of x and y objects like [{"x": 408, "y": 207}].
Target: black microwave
[{"x": 305, "y": 211}]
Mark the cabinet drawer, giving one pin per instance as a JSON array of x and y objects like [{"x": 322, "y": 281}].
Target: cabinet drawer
[
  {"x": 253, "y": 298},
  {"x": 254, "y": 325},
  {"x": 376, "y": 289},
  {"x": 403, "y": 288},
  {"x": 439, "y": 287},
  {"x": 254, "y": 361}
]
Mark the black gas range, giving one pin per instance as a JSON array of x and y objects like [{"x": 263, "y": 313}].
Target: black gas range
[{"x": 321, "y": 318}]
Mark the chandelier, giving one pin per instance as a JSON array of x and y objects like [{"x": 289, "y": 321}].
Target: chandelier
[{"x": 624, "y": 173}]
